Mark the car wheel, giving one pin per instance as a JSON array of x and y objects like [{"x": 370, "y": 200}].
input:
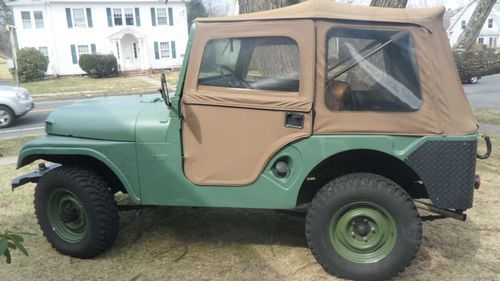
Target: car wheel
[
  {"x": 6, "y": 116},
  {"x": 363, "y": 227},
  {"x": 76, "y": 212},
  {"x": 473, "y": 80}
]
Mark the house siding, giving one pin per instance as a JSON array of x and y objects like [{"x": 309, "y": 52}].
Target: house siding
[
  {"x": 465, "y": 14},
  {"x": 58, "y": 37}
]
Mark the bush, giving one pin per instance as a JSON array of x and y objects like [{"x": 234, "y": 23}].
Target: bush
[
  {"x": 11, "y": 242},
  {"x": 99, "y": 65},
  {"x": 32, "y": 64}
]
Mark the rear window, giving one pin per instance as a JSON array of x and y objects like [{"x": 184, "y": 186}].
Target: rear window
[
  {"x": 372, "y": 70},
  {"x": 262, "y": 63}
]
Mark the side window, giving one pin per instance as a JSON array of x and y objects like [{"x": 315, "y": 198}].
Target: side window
[
  {"x": 372, "y": 70},
  {"x": 263, "y": 63}
]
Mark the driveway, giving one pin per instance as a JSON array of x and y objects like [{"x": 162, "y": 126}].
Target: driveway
[{"x": 486, "y": 93}]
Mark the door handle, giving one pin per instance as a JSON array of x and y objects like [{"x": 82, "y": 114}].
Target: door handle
[{"x": 294, "y": 120}]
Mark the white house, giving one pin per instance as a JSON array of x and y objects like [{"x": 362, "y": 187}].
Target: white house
[
  {"x": 490, "y": 34},
  {"x": 142, "y": 34}
]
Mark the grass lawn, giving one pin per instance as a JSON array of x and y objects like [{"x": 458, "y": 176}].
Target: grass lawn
[
  {"x": 488, "y": 116},
  {"x": 171, "y": 76},
  {"x": 4, "y": 70},
  {"x": 12, "y": 146},
  {"x": 234, "y": 244},
  {"x": 77, "y": 87}
]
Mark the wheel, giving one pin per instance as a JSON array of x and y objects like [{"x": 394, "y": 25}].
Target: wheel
[
  {"x": 76, "y": 212},
  {"x": 363, "y": 227},
  {"x": 473, "y": 80},
  {"x": 6, "y": 116}
]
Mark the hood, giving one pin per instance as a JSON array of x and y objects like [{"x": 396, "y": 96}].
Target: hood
[{"x": 106, "y": 118}]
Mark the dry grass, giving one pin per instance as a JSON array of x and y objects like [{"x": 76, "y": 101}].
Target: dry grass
[
  {"x": 488, "y": 116},
  {"x": 228, "y": 244},
  {"x": 4, "y": 70},
  {"x": 12, "y": 146},
  {"x": 78, "y": 87}
]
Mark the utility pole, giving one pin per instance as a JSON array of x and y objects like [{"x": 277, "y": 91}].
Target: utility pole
[{"x": 13, "y": 45}]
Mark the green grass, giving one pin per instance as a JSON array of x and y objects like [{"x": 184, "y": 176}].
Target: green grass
[
  {"x": 4, "y": 70},
  {"x": 12, "y": 146},
  {"x": 74, "y": 87}
]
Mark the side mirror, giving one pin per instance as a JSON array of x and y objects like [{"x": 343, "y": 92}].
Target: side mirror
[
  {"x": 164, "y": 90},
  {"x": 337, "y": 93}
]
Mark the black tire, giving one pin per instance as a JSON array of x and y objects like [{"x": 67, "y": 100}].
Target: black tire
[
  {"x": 6, "y": 116},
  {"x": 97, "y": 205},
  {"x": 352, "y": 189}
]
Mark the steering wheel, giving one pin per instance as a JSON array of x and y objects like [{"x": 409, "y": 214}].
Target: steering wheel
[
  {"x": 234, "y": 81},
  {"x": 164, "y": 90}
]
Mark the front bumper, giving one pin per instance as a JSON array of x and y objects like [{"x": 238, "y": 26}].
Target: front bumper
[
  {"x": 23, "y": 107},
  {"x": 33, "y": 176}
]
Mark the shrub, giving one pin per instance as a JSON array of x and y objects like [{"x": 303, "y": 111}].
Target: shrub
[
  {"x": 99, "y": 65},
  {"x": 32, "y": 64},
  {"x": 11, "y": 242}
]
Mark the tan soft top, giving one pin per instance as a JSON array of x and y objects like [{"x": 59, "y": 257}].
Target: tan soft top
[{"x": 326, "y": 9}]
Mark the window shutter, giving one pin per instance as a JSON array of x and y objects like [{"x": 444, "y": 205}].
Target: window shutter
[
  {"x": 68, "y": 18},
  {"x": 89, "y": 17},
  {"x": 174, "y": 51},
  {"x": 153, "y": 16},
  {"x": 157, "y": 51},
  {"x": 137, "y": 17},
  {"x": 110, "y": 17},
  {"x": 93, "y": 48},
  {"x": 73, "y": 54},
  {"x": 170, "y": 16}
]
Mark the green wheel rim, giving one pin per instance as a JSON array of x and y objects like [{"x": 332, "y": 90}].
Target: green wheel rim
[
  {"x": 67, "y": 216},
  {"x": 363, "y": 232}
]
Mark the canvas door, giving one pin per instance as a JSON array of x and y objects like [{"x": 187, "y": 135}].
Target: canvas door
[{"x": 251, "y": 96}]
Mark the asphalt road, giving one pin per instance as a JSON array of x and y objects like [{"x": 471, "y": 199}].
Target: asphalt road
[
  {"x": 33, "y": 123},
  {"x": 486, "y": 93}
]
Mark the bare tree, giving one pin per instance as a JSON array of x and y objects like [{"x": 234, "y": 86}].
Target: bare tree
[
  {"x": 476, "y": 22},
  {"x": 389, "y": 3}
]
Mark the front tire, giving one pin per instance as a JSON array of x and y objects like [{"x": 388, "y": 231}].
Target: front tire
[
  {"x": 76, "y": 212},
  {"x": 363, "y": 227},
  {"x": 6, "y": 117}
]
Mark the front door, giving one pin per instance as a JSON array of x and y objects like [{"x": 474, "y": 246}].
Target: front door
[
  {"x": 249, "y": 93},
  {"x": 130, "y": 49}
]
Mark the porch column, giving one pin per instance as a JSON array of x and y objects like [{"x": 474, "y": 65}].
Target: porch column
[
  {"x": 143, "y": 54},
  {"x": 121, "y": 60}
]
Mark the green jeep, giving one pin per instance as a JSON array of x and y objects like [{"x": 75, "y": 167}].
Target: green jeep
[{"x": 355, "y": 115}]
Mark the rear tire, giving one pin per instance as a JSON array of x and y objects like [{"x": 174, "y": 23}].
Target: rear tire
[
  {"x": 363, "y": 227},
  {"x": 76, "y": 212},
  {"x": 6, "y": 117}
]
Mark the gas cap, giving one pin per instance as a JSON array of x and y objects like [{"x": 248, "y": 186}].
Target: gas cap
[{"x": 281, "y": 169}]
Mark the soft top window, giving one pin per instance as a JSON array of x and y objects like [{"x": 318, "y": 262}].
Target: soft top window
[
  {"x": 372, "y": 70},
  {"x": 263, "y": 63}
]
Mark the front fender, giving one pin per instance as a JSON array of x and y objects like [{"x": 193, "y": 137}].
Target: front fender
[{"x": 119, "y": 157}]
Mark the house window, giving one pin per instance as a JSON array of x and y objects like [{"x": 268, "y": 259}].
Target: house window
[
  {"x": 129, "y": 16},
  {"x": 464, "y": 24},
  {"x": 135, "y": 50},
  {"x": 38, "y": 15},
  {"x": 480, "y": 40},
  {"x": 492, "y": 42},
  {"x": 83, "y": 50},
  {"x": 162, "y": 16},
  {"x": 45, "y": 52},
  {"x": 164, "y": 50},
  {"x": 117, "y": 15},
  {"x": 79, "y": 19},
  {"x": 26, "y": 20},
  {"x": 490, "y": 23}
]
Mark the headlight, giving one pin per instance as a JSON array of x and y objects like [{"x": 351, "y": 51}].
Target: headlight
[{"x": 22, "y": 95}]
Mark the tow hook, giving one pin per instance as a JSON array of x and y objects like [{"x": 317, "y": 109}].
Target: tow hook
[
  {"x": 477, "y": 182},
  {"x": 488, "y": 147}
]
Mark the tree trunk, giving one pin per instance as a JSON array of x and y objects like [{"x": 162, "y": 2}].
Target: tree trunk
[
  {"x": 389, "y": 3},
  {"x": 476, "y": 22},
  {"x": 251, "y": 6},
  {"x": 476, "y": 63}
]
